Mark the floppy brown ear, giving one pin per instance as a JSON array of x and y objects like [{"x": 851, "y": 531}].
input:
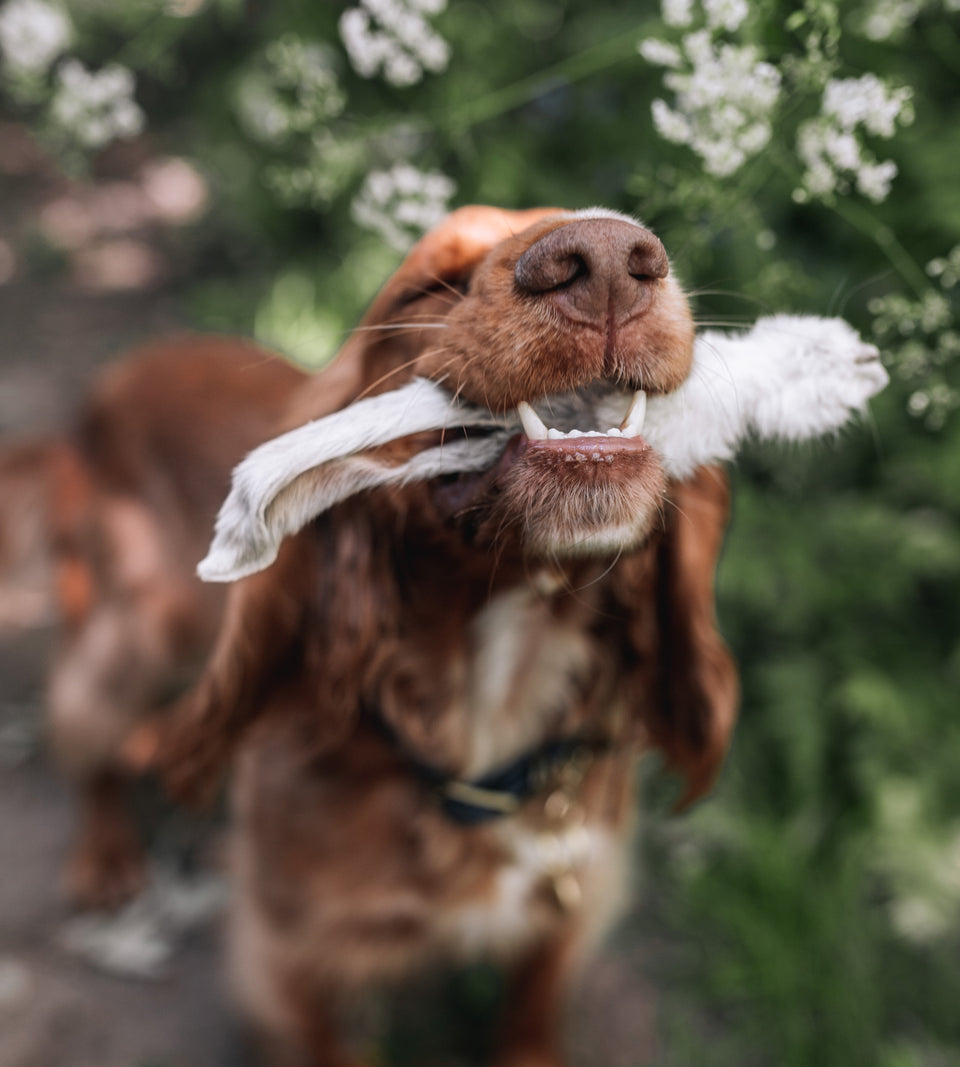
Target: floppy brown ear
[
  {"x": 191, "y": 743},
  {"x": 297, "y": 643},
  {"x": 683, "y": 681}
]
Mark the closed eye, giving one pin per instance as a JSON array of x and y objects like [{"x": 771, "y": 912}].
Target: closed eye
[{"x": 451, "y": 288}]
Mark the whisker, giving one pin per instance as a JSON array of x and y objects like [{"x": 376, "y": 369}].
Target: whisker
[
  {"x": 464, "y": 366},
  {"x": 669, "y": 503},
  {"x": 499, "y": 549},
  {"x": 389, "y": 374},
  {"x": 399, "y": 326},
  {"x": 729, "y": 320},
  {"x": 606, "y": 570},
  {"x": 745, "y": 297},
  {"x": 879, "y": 277},
  {"x": 442, "y": 281}
]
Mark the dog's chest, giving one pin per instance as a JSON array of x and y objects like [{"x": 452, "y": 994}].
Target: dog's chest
[
  {"x": 548, "y": 877},
  {"x": 525, "y": 669}
]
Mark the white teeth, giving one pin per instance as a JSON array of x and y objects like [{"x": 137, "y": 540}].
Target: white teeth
[
  {"x": 536, "y": 430},
  {"x": 559, "y": 435},
  {"x": 533, "y": 425},
  {"x": 633, "y": 421}
]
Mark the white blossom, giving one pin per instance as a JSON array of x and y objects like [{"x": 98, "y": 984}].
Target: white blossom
[
  {"x": 670, "y": 124},
  {"x": 874, "y": 179},
  {"x": 725, "y": 14},
  {"x": 293, "y": 88},
  {"x": 883, "y": 20},
  {"x": 946, "y": 268},
  {"x": 95, "y": 108},
  {"x": 32, "y": 34},
  {"x": 866, "y": 101},
  {"x": 830, "y": 145},
  {"x": 394, "y": 38},
  {"x": 886, "y": 20},
  {"x": 725, "y": 96},
  {"x": 260, "y": 109},
  {"x": 402, "y": 203},
  {"x": 677, "y": 12},
  {"x": 660, "y": 53}
]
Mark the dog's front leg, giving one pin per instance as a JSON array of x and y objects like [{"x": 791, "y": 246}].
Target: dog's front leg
[
  {"x": 308, "y": 1037},
  {"x": 536, "y": 992},
  {"x": 107, "y": 865}
]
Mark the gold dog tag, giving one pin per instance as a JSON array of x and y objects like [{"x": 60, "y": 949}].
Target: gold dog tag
[
  {"x": 567, "y": 891},
  {"x": 560, "y": 807}
]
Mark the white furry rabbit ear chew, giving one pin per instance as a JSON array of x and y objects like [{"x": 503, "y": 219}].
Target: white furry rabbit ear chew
[{"x": 790, "y": 378}]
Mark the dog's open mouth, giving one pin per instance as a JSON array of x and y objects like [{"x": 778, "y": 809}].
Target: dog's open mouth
[
  {"x": 579, "y": 445},
  {"x": 576, "y": 475}
]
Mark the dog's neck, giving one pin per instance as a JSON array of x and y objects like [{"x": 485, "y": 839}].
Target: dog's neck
[{"x": 506, "y": 665}]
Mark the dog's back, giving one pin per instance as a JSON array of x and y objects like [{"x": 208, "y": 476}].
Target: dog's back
[{"x": 101, "y": 530}]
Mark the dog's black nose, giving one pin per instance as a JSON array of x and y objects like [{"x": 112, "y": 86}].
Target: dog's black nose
[{"x": 596, "y": 269}]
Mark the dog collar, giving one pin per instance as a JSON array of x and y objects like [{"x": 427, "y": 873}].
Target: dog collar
[{"x": 504, "y": 790}]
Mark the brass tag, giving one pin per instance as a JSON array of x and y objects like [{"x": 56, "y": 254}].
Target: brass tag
[{"x": 567, "y": 891}]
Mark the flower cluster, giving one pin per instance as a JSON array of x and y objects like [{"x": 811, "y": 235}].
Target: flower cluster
[
  {"x": 921, "y": 865},
  {"x": 725, "y": 94},
  {"x": 883, "y": 20},
  {"x": 86, "y": 108},
  {"x": 292, "y": 90},
  {"x": 725, "y": 14},
  {"x": 395, "y": 38},
  {"x": 317, "y": 171},
  {"x": 718, "y": 14},
  {"x": 921, "y": 341},
  {"x": 32, "y": 34},
  {"x": 677, "y": 12},
  {"x": 401, "y": 203},
  {"x": 830, "y": 145},
  {"x": 95, "y": 108}
]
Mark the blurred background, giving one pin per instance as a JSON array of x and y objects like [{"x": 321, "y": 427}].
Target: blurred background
[{"x": 259, "y": 168}]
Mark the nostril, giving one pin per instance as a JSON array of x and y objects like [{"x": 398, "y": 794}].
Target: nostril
[
  {"x": 545, "y": 267},
  {"x": 569, "y": 270},
  {"x": 648, "y": 260}
]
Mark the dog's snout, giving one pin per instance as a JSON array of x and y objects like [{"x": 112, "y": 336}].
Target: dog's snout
[{"x": 596, "y": 268}]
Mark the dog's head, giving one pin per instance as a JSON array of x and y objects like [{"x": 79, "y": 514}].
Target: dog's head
[{"x": 528, "y": 343}]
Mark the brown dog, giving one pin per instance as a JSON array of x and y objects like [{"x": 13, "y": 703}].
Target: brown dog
[
  {"x": 105, "y": 526},
  {"x": 443, "y": 682}
]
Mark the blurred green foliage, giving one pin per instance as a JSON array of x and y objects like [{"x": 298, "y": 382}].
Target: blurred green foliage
[{"x": 814, "y": 900}]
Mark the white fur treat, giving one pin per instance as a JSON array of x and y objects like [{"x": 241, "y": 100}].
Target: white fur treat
[
  {"x": 248, "y": 538},
  {"x": 790, "y": 378},
  {"x": 270, "y": 498}
]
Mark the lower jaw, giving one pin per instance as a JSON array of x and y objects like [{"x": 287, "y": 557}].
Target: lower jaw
[{"x": 571, "y": 497}]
